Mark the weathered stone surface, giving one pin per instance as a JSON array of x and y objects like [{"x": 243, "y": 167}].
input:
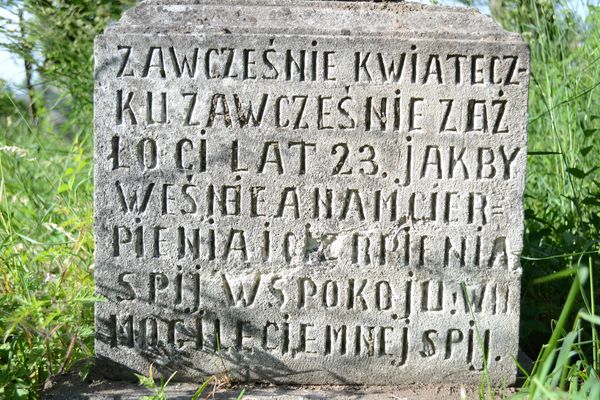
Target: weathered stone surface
[
  {"x": 309, "y": 192},
  {"x": 71, "y": 388}
]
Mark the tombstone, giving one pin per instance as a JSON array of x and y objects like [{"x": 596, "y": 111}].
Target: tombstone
[{"x": 309, "y": 192}]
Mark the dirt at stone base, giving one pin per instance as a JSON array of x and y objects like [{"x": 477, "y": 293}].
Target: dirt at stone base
[{"x": 71, "y": 387}]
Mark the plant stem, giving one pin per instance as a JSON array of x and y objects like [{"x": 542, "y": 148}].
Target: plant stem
[{"x": 548, "y": 352}]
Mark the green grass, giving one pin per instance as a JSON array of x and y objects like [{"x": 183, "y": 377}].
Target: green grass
[
  {"x": 562, "y": 252},
  {"x": 46, "y": 242},
  {"x": 46, "y": 194},
  {"x": 46, "y": 247}
]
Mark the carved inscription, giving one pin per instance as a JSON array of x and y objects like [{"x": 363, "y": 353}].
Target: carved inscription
[{"x": 296, "y": 200}]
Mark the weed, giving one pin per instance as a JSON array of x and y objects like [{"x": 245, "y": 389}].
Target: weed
[
  {"x": 46, "y": 196},
  {"x": 562, "y": 195},
  {"x": 217, "y": 382},
  {"x": 159, "y": 391}
]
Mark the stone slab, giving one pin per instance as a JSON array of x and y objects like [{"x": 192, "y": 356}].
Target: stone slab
[
  {"x": 72, "y": 389},
  {"x": 309, "y": 192}
]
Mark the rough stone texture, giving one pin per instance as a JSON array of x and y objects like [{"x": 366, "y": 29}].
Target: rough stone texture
[
  {"x": 71, "y": 388},
  {"x": 309, "y": 192}
]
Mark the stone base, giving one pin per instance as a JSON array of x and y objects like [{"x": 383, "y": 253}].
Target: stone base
[{"x": 71, "y": 388}]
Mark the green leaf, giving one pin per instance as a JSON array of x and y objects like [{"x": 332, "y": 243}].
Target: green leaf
[
  {"x": 593, "y": 319},
  {"x": 147, "y": 382},
  {"x": 585, "y": 151},
  {"x": 64, "y": 187},
  {"x": 564, "y": 355},
  {"x": 591, "y": 201},
  {"x": 22, "y": 393},
  {"x": 589, "y": 132},
  {"x": 201, "y": 389},
  {"x": 576, "y": 172},
  {"x": 565, "y": 273},
  {"x": 543, "y": 153}
]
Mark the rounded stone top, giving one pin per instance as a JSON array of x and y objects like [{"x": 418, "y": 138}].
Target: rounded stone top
[{"x": 397, "y": 19}]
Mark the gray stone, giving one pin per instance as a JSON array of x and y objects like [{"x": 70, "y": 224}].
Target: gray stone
[
  {"x": 309, "y": 192},
  {"x": 71, "y": 388}
]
